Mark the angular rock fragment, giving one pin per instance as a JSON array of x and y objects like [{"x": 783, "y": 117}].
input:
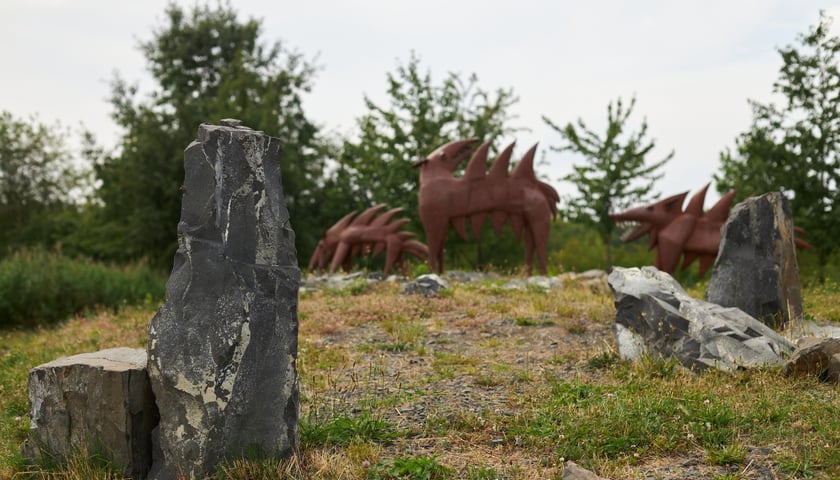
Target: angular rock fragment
[
  {"x": 655, "y": 316},
  {"x": 222, "y": 348},
  {"x": 572, "y": 471},
  {"x": 426, "y": 285},
  {"x": 819, "y": 357},
  {"x": 98, "y": 402},
  {"x": 756, "y": 268}
]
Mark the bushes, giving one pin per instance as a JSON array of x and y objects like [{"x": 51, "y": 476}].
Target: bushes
[{"x": 37, "y": 286}]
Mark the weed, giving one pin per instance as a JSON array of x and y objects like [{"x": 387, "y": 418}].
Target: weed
[
  {"x": 487, "y": 380},
  {"x": 603, "y": 360},
  {"x": 657, "y": 367},
  {"x": 344, "y": 429},
  {"x": 482, "y": 473},
  {"x": 532, "y": 322},
  {"x": 418, "y": 468},
  {"x": 726, "y": 455}
]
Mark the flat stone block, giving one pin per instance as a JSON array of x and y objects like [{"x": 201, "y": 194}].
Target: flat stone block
[{"x": 96, "y": 402}]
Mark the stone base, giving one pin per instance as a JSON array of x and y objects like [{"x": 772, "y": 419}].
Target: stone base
[{"x": 95, "y": 402}]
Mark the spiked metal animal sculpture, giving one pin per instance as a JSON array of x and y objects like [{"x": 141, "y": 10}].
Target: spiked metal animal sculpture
[
  {"x": 689, "y": 233},
  {"x": 366, "y": 233},
  {"x": 517, "y": 196}
]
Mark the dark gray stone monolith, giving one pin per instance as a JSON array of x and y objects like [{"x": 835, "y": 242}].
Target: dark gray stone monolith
[
  {"x": 99, "y": 402},
  {"x": 756, "y": 268},
  {"x": 222, "y": 348},
  {"x": 655, "y": 316}
]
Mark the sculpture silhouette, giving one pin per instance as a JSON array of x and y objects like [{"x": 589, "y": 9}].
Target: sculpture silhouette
[
  {"x": 689, "y": 233},
  {"x": 528, "y": 203},
  {"x": 366, "y": 233}
]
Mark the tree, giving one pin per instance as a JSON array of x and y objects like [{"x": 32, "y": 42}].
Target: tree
[
  {"x": 37, "y": 177},
  {"x": 794, "y": 148},
  {"x": 615, "y": 175},
  {"x": 420, "y": 116},
  {"x": 208, "y": 65}
]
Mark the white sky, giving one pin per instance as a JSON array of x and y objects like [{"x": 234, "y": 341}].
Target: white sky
[{"x": 691, "y": 64}]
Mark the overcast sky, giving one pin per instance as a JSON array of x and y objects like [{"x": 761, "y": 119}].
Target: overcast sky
[{"x": 691, "y": 64}]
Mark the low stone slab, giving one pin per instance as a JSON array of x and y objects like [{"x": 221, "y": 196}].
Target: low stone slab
[
  {"x": 99, "y": 402},
  {"x": 655, "y": 316}
]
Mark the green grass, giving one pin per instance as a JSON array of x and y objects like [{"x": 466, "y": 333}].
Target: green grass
[
  {"x": 343, "y": 429},
  {"x": 38, "y": 287},
  {"x": 419, "y": 468},
  {"x": 395, "y": 407}
]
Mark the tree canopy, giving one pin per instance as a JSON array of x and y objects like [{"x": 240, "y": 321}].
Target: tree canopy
[
  {"x": 38, "y": 178},
  {"x": 208, "y": 65},
  {"x": 420, "y": 116},
  {"x": 794, "y": 147},
  {"x": 616, "y": 173}
]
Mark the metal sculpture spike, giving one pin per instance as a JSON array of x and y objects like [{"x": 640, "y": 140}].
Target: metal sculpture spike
[
  {"x": 691, "y": 233},
  {"x": 369, "y": 232},
  {"x": 518, "y": 196}
]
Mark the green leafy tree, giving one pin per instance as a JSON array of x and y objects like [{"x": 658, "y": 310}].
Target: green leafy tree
[
  {"x": 794, "y": 147},
  {"x": 420, "y": 115},
  {"x": 208, "y": 65},
  {"x": 616, "y": 173},
  {"x": 38, "y": 179}
]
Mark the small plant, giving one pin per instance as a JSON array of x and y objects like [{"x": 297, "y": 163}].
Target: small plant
[
  {"x": 486, "y": 380},
  {"x": 603, "y": 360},
  {"x": 344, "y": 429},
  {"x": 482, "y": 473},
  {"x": 416, "y": 468},
  {"x": 532, "y": 322},
  {"x": 657, "y": 367},
  {"x": 726, "y": 455}
]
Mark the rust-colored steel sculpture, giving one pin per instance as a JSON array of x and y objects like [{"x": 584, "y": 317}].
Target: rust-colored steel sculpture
[
  {"x": 689, "y": 233},
  {"x": 517, "y": 196},
  {"x": 366, "y": 233}
]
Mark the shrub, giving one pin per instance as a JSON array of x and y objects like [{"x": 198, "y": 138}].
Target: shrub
[{"x": 38, "y": 287}]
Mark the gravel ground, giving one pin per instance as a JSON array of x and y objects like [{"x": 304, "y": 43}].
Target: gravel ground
[{"x": 497, "y": 361}]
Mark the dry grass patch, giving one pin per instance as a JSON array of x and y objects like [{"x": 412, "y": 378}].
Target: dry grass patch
[{"x": 488, "y": 383}]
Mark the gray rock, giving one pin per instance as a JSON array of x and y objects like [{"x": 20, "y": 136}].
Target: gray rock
[
  {"x": 222, "y": 348},
  {"x": 461, "y": 276},
  {"x": 819, "y": 357},
  {"x": 571, "y": 471},
  {"x": 595, "y": 279},
  {"x": 654, "y": 315},
  {"x": 756, "y": 268},
  {"x": 810, "y": 328},
  {"x": 341, "y": 282},
  {"x": 99, "y": 402},
  {"x": 426, "y": 285},
  {"x": 537, "y": 282}
]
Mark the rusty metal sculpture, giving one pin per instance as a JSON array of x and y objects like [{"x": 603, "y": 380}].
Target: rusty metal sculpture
[
  {"x": 366, "y": 233},
  {"x": 689, "y": 233},
  {"x": 517, "y": 196}
]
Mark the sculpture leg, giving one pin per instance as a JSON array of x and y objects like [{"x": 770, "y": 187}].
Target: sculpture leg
[
  {"x": 340, "y": 256},
  {"x": 392, "y": 253},
  {"x": 435, "y": 228},
  {"x": 539, "y": 236},
  {"x": 529, "y": 251}
]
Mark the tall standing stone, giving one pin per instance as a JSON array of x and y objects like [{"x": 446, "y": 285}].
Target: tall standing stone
[
  {"x": 222, "y": 348},
  {"x": 756, "y": 268}
]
